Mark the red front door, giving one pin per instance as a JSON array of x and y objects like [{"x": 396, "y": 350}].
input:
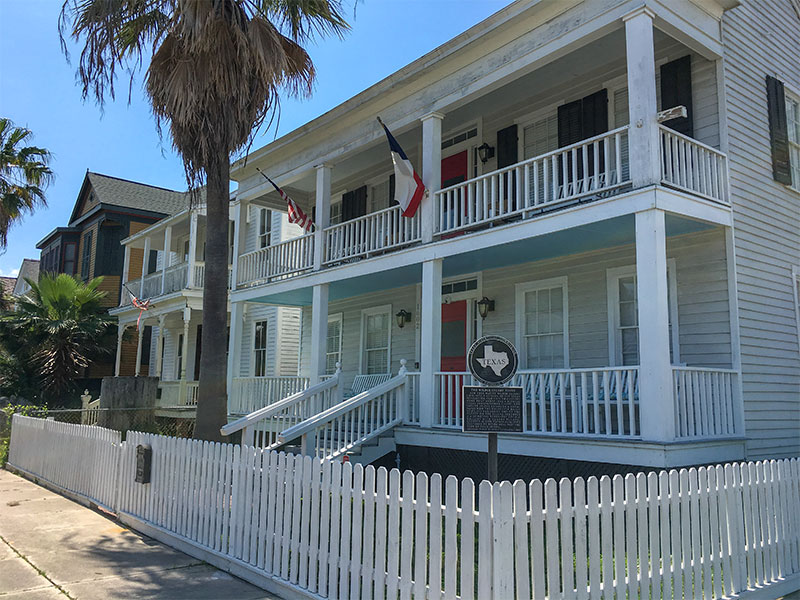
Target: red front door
[{"x": 454, "y": 358}]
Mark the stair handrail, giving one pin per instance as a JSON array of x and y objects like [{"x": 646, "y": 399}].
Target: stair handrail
[
  {"x": 273, "y": 409},
  {"x": 312, "y": 424}
]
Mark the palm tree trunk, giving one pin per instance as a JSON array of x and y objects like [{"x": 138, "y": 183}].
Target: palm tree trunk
[{"x": 212, "y": 400}]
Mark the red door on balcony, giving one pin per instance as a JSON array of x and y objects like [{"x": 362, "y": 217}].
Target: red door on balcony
[
  {"x": 454, "y": 358},
  {"x": 455, "y": 169}
]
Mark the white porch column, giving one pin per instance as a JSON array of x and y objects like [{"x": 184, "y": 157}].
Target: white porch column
[
  {"x": 736, "y": 344},
  {"x": 319, "y": 331},
  {"x": 430, "y": 338},
  {"x": 656, "y": 402},
  {"x": 238, "y": 313},
  {"x": 140, "y": 335},
  {"x": 643, "y": 138},
  {"x": 120, "y": 334},
  {"x": 165, "y": 259},
  {"x": 145, "y": 260},
  {"x": 239, "y": 233},
  {"x": 160, "y": 346},
  {"x": 187, "y": 317},
  {"x": 126, "y": 266},
  {"x": 431, "y": 170},
  {"x": 322, "y": 215},
  {"x": 192, "y": 249}
]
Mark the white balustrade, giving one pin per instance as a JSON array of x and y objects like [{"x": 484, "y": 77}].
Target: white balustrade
[
  {"x": 376, "y": 232},
  {"x": 152, "y": 286},
  {"x": 693, "y": 167},
  {"x": 262, "y": 427},
  {"x": 175, "y": 278},
  {"x": 249, "y": 394},
  {"x": 190, "y": 397},
  {"x": 705, "y": 402},
  {"x": 596, "y": 402},
  {"x": 170, "y": 393},
  {"x": 278, "y": 261},
  {"x": 591, "y": 167}
]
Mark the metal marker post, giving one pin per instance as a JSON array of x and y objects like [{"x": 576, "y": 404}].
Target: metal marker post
[{"x": 492, "y": 457}]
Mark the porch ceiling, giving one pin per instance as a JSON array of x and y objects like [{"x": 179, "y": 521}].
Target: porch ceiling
[{"x": 602, "y": 234}]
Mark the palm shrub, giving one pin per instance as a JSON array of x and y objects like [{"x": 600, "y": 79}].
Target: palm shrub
[
  {"x": 59, "y": 328},
  {"x": 24, "y": 175},
  {"x": 214, "y": 71}
]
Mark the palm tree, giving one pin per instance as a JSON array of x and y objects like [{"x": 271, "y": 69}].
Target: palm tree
[
  {"x": 24, "y": 175},
  {"x": 215, "y": 70},
  {"x": 60, "y": 326}
]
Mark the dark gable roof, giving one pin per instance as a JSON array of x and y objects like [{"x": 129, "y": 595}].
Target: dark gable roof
[
  {"x": 7, "y": 285},
  {"x": 129, "y": 194}
]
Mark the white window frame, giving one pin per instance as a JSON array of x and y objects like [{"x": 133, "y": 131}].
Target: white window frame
[
  {"x": 532, "y": 286},
  {"x": 332, "y": 319},
  {"x": 796, "y": 293},
  {"x": 179, "y": 357},
  {"x": 264, "y": 237},
  {"x": 612, "y": 296},
  {"x": 368, "y": 312},
  {"x": 253, "y": 350},
  {"x": 794, "y": 146}
]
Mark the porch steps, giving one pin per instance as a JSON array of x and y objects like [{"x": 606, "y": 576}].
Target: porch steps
[{"x": 363, "y": 454}]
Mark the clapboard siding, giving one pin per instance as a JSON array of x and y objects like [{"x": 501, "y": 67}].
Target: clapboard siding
[
  {"x": 703, "y": 316},
  {"x": 763, "y": 38}
]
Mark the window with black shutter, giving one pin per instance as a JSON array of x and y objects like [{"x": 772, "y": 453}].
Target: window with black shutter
[
  {"x": 507, "y": 155},
  {"x": 676, "y": 90},
  {"x": 86, "y": 258},
  {"x": 580, "y": 120},
  {"x": 152, "y": 261},
  {"x": 778, "y": 131},
  {"x": 354, "y": 204}
]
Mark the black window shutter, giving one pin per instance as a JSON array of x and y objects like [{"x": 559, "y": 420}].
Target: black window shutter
[
  {"x": 570, "y": 123},
  {"x": 778, "y": 131},
  {"x": 360, "y": 201},
  {"x": 594, "y": 113},
  {"x": 507, "y": 147},
  {"x": 348, "y": 210},
  {"x": 152, "y": 261},
  {"x": 676, "y": 90},
  {"x": 391, "y": 189}
]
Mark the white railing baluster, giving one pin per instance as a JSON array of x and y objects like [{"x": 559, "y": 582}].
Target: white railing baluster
[
  {"x": 693, "y": 166},
  {"x": 704, "y": 400}
]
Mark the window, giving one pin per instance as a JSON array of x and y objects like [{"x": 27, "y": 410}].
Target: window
[
  {"x": 264, "y": 227},
  {"x": 336, "y": 212},
  {"x": 87, "y": 255},
  {"x": 381, "y": 196},
  {"x": 793, "y": 126},
  {"x": 623, "y": 319},
  {"x": 375, "y": 340},
  {"x": 796, "y": 291},
  {"x": 260, "y": 334},
  {"x": 333, "y": 343},
  {"x": 542, "y": 323},
  {"x": 179, "y": 355}
]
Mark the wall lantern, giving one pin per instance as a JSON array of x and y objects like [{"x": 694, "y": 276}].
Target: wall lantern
[
  {"x": 485, "y": 152},
  {"x": 485, "y": 306},
  {"x": 403, "y": 317}
]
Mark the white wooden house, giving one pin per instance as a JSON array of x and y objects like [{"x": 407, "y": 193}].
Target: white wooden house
[
  {"x": 645, "y": 267},
  {"x": 171, "y": 256}
]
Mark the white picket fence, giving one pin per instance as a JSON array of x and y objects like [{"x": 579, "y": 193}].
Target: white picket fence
[{"x": 333, "y": 530}]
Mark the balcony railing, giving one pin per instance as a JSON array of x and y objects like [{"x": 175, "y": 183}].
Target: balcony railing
[
  {"x": 705, "y": 404},
  {"x": 178, "y": 393},
  {"x": 279, "y": 261},
  {"x": 175, "y": 277},
  {"x": 692, "y": 166},
  {"x": 592, "y": 167},
  {"x": 600, "y": 402},
  {"x": 371, "y": 234}
]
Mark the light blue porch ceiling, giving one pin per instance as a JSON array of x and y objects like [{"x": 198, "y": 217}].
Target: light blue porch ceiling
[{"x": 602, "y": 234}]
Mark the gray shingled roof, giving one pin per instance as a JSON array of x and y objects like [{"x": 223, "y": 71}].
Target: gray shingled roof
[
  {"x": 121, "y": 192},
  {"x": 7, "y": 285}
]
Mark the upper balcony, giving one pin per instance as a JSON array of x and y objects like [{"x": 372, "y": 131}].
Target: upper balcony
[
  {"x": 165, "y": 258},
  {"x": 540, "y": 138}
]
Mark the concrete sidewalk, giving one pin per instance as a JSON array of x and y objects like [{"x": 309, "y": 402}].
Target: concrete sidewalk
[{"x": 53, "y": 548}]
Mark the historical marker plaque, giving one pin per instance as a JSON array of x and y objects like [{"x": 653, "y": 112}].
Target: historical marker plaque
[
  {"x": 492, "y": 360},
  {"x": 144, "y": 461},
  {"x": 492, "y": 409}
]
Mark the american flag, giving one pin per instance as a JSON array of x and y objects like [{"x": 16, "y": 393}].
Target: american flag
[{"x": 296, "y": 214}]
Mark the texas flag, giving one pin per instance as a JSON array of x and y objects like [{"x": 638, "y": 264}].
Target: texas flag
[{"x": 408, "y": 187}]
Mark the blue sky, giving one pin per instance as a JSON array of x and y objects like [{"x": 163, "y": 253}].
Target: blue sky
[{"x": 38, "y": 91}]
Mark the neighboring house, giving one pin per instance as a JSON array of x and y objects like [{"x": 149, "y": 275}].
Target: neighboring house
[
  {"x": 171, "y": 256},
  {"x": 28, "y": 271},
  {"x": 644, "y": 264},
  {"x": 107, "y": 210},
  {"x": 6, "y": 292}
]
